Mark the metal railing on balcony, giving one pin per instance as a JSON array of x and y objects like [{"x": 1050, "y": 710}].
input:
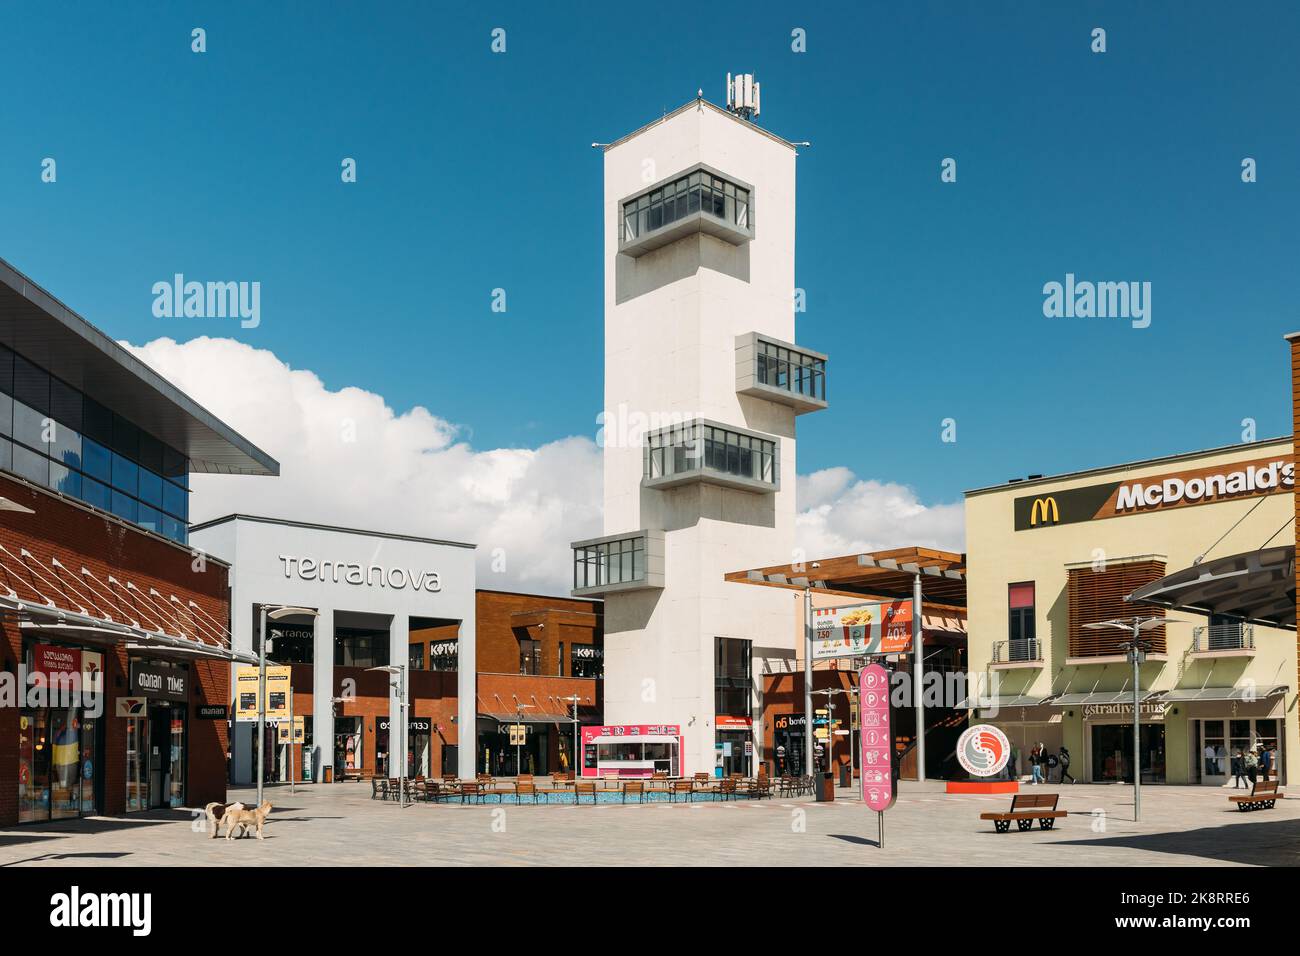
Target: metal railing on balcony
[
  {"x": 1223, "y": 637},
  {"x": 1025, "y": 650}
]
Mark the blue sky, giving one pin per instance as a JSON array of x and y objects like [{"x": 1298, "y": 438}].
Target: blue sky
[{"x": 475, "y": 172}]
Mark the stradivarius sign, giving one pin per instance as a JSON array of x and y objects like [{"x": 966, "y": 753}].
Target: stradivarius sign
[{"x": 361, "y": 575}]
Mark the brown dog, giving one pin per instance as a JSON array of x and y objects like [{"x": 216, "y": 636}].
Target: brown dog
[
  {"x": 237, "y": 816},
  {"x": 217, "y": 811}
]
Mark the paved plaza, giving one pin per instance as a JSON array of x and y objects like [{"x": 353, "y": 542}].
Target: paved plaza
[{"x": 339, "y": 825}]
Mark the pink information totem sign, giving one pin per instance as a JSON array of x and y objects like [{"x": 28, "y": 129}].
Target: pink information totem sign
[{"x": 877, "y": 739}]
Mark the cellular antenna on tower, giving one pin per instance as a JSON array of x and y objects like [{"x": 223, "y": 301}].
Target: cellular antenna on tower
[{"x": 742, "y": 95}]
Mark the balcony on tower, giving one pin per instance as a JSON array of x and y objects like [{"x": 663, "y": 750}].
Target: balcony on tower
[
  {"x": 632, "y": 561},
  {"x": 768, "y": 368},
  {"x": 701, "y": 450},
  {"x": 700, "y": 199}
]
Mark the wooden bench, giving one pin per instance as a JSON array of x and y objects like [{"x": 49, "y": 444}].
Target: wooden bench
[
  {"x": 1262, "y": 796},
  {"x": 1025, "y": 809}
]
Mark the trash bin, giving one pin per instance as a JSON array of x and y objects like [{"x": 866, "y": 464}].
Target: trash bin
[
  {"x": 329, "y": 775},
  {"x": 826, "y": 787},
  {"x": 846, "y": 776}
]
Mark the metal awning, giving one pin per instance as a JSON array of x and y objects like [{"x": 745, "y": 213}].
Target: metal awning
[
  {"x": 513, "y": 718},
  {"x": 1103, "y": 697},
  {"x": 44, "y": 330},
  {"x": 1225, "y": 693},
  {"x": 1018, "y": 700},
  {"x": 1256, "y": 586},
  {"x": 113, "y": 611}
]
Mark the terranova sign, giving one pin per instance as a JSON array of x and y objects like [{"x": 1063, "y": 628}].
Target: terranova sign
[{"x": 369, "y": 575}]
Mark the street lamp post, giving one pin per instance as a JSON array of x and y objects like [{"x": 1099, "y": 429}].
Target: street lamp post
[
  {"x": 1136, "y": 650},
  {"x": 574, "y": 699},
  {"x": 273, "y": 612},
  {"x": 399, "y": 732},
  {"x": 519, "y": 723}
]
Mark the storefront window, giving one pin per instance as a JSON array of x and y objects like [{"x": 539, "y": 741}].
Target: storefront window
[
  {"x": 58, "y": 773},
  {"x": 586, "y": 661},
  {"x": 355, "y": 647}
]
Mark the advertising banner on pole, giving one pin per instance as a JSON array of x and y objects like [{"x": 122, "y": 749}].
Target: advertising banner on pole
[
  {"x": 862, "y": 629},
  {"x": 277, "y": 693}
]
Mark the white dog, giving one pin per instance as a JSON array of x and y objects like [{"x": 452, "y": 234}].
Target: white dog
[{"x": 237, "y": 816}]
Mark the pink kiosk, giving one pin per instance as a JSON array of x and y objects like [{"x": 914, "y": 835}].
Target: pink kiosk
[{"x": 632, "y": 750}]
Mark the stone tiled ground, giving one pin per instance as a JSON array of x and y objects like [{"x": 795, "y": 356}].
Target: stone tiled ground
[{"x": 339, "y": 825}]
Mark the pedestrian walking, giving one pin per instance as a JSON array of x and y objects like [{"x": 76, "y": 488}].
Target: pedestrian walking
[
  {"x": 1036, "y": 764},
  {"x": 1238, "y": 770},
  {"x": 1063, "y": 759},
  {"x": 1252, "y": 766}
]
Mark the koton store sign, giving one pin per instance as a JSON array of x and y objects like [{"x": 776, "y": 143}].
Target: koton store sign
[{"x": 876, "y": 750}]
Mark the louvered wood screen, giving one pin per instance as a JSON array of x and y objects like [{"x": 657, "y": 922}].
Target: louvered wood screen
[{"x": 1099, "y": 596}]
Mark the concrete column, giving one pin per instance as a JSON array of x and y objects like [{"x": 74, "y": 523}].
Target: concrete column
[
  {"x": 399, "y": 641},
  {"x": 322, "y": 691},
  {"x": 466, "y": 700},
  {"x": 241, "y": 743}
]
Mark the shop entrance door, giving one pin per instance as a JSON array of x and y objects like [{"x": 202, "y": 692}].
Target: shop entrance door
[
  {"x": 347, "y": 746},
  {"x": 732, "y": 746},
  {"x": 1112, "y": 753},
  {"x": 166, "y": 736}
]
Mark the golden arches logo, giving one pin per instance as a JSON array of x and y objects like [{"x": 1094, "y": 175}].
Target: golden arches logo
[{"x": 1044, "y": 510}]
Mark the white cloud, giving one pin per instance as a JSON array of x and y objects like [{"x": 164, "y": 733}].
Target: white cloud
[
  {"x": 840, "y": 513},
  {"x": 347, "y": 458}
]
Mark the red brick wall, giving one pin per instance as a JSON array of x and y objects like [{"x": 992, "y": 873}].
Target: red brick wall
[
  {"x": 570, "y": 620},
  {"x": 82, "y": 538}
]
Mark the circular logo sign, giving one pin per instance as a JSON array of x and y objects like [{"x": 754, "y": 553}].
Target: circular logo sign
[{"x": 983, "y": 750}]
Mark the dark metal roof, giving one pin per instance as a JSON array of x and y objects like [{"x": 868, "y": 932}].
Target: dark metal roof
[
  {"x": 44, "y": 330},
  {"x": 1257, "y": 586},
  {"x": 289, "y": 522}
]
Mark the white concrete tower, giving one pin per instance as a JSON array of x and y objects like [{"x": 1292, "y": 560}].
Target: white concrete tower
[{"x": 702, "y": 388}]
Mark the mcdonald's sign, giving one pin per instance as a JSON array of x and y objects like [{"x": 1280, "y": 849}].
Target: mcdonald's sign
[
  {"x": 1044, "y": 511},
  {"x": 1142, "y": 494}
]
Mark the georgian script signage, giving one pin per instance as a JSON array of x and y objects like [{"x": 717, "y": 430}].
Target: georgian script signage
[
  {"x": 159, "y": 683},
  {"x": 1201, "y": 486},
  {"x": 362, "y": 575},
  {"x": 414, "y": 725}
]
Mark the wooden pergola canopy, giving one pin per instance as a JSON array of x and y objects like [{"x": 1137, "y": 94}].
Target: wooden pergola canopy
[{"x": 883, "y": 574}]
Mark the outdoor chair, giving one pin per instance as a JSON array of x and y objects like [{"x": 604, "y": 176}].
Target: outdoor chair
[
  {"x": 727, "y": 788},
  {"x": 584, "y": 787},
  {"x": 378, "y": 788},
  {"x": 524, "y": 788},
  {"x": 684, "y": 788},
  {"x": 468, "y": 790},
  {"x": 634, "y": 786}
]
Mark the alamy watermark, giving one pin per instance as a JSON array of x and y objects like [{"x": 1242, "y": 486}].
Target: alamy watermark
[
  {"x": 208, "y": 300},
  {"x": 1103, "y": 300}
]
